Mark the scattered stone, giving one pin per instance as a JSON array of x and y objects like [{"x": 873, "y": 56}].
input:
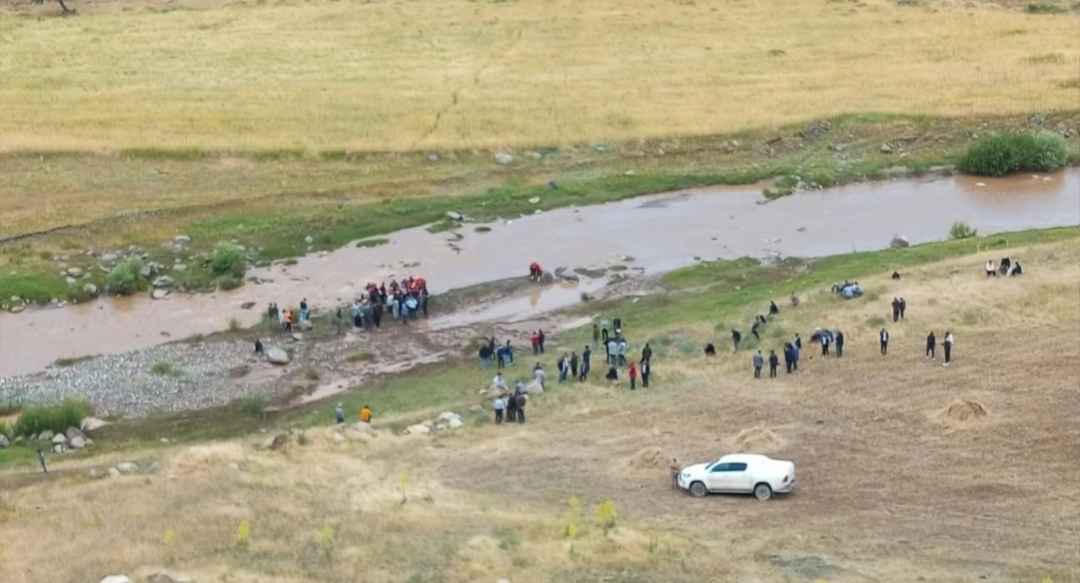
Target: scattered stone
[
  {"x": 90, "y": 290},
  {"x": 159, "y": 294},
  {"x": 419, "y": 429},
  {"x": 181, "y": 239},
  {"x": 109, "y": 258},
  {"x": 73, "y": 432},
  {"x": 58, "y": 448},
  {"x": 127, "y": 467},
  {"x": 114, "y": 473},
  {"x": 453, "y": 216},
  {"x": 77, "y": 442},
  {"x": 46, "y": 435},
  {"x": 276, "y": 355},
  {"x": 503, "y": 158},
  {"x": 899, "y": 242},
  {"x": 74, "y": 272},
  {"x": 309, "y": 240},
  {"x": 455, "y": 423},
  {"x": 4, "y": 442},
  {"x": 179, "y": 267},
  {"x": 71, "y": 280},
  {"x": 306, "y": 325},
  {"x": 534, "y": 200},
  {"x": 448, "y": 415},
  {"x": 17, "y": 309},
  {"x": 433, "y": 158},
  {"x": 163, "y": 281},
  {"x": 886, "y": 148},
  {"x": 247, "y": 305},
  {"x": 92, "y": 424},
  {"x": 149, "y": 270}
]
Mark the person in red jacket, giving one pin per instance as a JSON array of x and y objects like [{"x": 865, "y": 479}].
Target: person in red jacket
[
  {"x": 536, "y": 343},
  {"x": 633, "y": 376},
  {"x": 535, "y": 272}
]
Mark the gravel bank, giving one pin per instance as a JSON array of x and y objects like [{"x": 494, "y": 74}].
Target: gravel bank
[{"x": 193, "y": 376}]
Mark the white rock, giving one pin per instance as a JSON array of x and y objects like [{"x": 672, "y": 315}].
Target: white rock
[
  {"x": 90, "y": 289},
  {"x": 455, "y": 423},
  {"x": 181, "y": 239},
  {"x": 45, "y": 435},
  {"x": 114, "y": 473},
  {"x": 503, "y": 158},
  {"x": 92, "y": 423},
  {"x": 70, "y": 280},
  {"x": 276, "y": 355},
  {"x": 115, "y": 579},
  {"x": 58, "y": 448},
  {"x": 163, "y": 281},
  {"x": 159, "y": 294},
  {"x": 448, "y": 415},
  {"x": 309, "y": 240},
  {"x": 534, "y": 200},
  {"x": 4, "y": 441},
  {"x": 74, "y": 272},
  {"x": 899, "y": 242},
  {"x": 73, "y": 432},
  {"x": 127, "y": 467},
  {"x": 453, "y": 216},
  {"x": 419, "y": 429},
  {"x": 77, "y": 442}
]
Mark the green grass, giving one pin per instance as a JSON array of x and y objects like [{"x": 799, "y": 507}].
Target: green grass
[
  {"x": 125, "y": 278},
  {"x": 228, "y": 260},
  {"x": 72, "y": 361},
  {"x": 482, "y": 229},
  {"x": 253, "y": 405},
  {"x": 55, "y": 418},
  {"x": 166, "y": 369}
]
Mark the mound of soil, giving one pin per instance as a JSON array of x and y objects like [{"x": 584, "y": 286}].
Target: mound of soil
[
  {"x": 647, "y": 459},
  {"x": 757, "y": 440},
  {"x": 960, "y": 410}
]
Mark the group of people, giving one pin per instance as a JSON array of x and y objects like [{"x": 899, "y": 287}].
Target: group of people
[
  {"x": 946, "y": 344},
  {"x": 285, "y": 318},
  {"x": 365, "y": 414},
  {"x": 1007, "y": 267},
  {"x": 511, "y": 406},
  {"x": 503, "y": 355}
]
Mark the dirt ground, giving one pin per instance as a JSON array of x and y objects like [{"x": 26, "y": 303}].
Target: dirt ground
[{"x": 907, "y": 470}]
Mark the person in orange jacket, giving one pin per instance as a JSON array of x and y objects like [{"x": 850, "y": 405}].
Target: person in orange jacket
[
  {"x": 288, "y": 320},
  {"x": 365, "y": 414}
]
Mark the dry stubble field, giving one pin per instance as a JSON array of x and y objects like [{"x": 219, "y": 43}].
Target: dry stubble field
[
  {"x": 893, "y": 484},
  {"x": 395, "y": 75}
]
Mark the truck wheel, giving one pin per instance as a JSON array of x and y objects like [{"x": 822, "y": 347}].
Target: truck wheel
[
  {"x": 698, "y": 490},
  {"x": 762, "y": 491}
]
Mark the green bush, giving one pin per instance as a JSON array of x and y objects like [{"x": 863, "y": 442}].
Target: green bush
[
  {"x": 961, "y": 230},
  {"x": 6, "y": 430},
  {"x": 124, "y": 278},
  {"x": 55, "y": 418},
  {"x": 228, "y": 282},
  {"x": 253, "y": 405},
  {"x": 166, "y": 369},
  {"x": 227, "y": 259},
  {"x": 1002, "y": 154}
]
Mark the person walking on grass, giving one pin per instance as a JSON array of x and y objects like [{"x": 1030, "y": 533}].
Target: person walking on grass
[
  {"x": 903, "y": 307},
  {"x": 542, "y": 337},
  {"x": 895, "y": 309},
  {"x": 586, "y": 356},
  {"x": 621, "y": 349},
  {"x": 774, "y": 361},
  {"x": 564, "y": 368},
  {"x": 789, "y": 357},
  {"x": 339, "y": 414},
  {"x": 646, "y": 370},
  {"x": 595, "y": 336},
  {"x": 612, "y": 352},
  {"x": 573, "y": 364},
  {"x": 500, "y": 407},
  {"x": 646, "y": 353},
  {"x": 520, "y": 401},
  {"x": 538, "y": 375},
  {"x": 948, "y": 344},
  {"x": 758, "y": 361},
  {"x": 632, "y": 373},
  {"x": 931, "y": 346},
  {"x": 883, "y": 336},
  {"x": 736, "y": 338}
]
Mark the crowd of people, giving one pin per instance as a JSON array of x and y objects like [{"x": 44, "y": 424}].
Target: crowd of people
[
  {"x": 1007, "y": 267},
  {"x": 403, "y": 300}
]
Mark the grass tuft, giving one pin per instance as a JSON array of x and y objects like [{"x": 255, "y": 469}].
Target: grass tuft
[
  {"x": 125, "y": 278},
  {"x": 253, "y": 405},
  {"x": 1005, "y": 153},
  {"x": 55, "y": 418}
]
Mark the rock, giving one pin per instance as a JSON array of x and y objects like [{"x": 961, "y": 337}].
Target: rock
[
  {"x": 547, "y": 277},
  {"x": 92, "y": 424},
  {"x": 448, "y": 415},
  {"x": 247, "y": 305},
  {"x": 163, "y": 281},
  {"x": 159, "y": 294},
  {"x": 127, "y": 467},
  {"x": 476, "y": 409},
  {"x": 419, "y": 429},
  {"x": 109, "y": 258},
  {"x": 453, "y": 216},
  {"x": 433, "y": 158},
  {"x": 276, "y": 355},
  {"x": 179, "y": 267},
  {"x": 73, "y": 432},
  {"x": 154, "y": 468},
  {"x": 90, "y": 290},
  {"x": 899, "y": 242},
  {"x": 17, "y": 309},
  {"x": 114, "y": 473},
  {"x": 77, "y": 442},
  {"x": 58, "y": 447},
  {"x": 503, "y": 158},
  {"x": 160, "y": 577},
  {"x": 74, "y": 272},
  {"x": 4, "y": 441},
  {"x": 306, "y": 325},
  {"x": 71, "y": 280},
  {"x": 278, "y": 441},
  {"x": 148, "y": 271},
  {"x": 886, "y": 148},
  {"x": 455, "y": 423},
  {"x": 181, "y": 239},
  {"x": 115, "y": 579},
  {"x": 46, "y": 435},
  {"x": 503, "y": 581},
  {"x": 338, "y": 437},
  {"x": 534, "y": 200},
  {"x": 309, "y": 240}
]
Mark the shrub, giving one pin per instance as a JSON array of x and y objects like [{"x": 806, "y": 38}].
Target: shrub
[
  {"x": 166, "y": 369},
  {"x": 55, "y": 418},
  {"x": 227, "y": 259},
  {"x": 6, "y": 430},
  {"x": 311, "y": 373},
  {"x": 961, "y": 230},
  {"x": 228, "y": 282},
  {"x": 253, "y": 405},
  {"x": 606, "y": 514},
  {"x": 124, "y": 278},
  {"x": 1002, "y": 154}
]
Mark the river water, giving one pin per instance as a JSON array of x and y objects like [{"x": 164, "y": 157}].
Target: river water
[{"x": 660, "y": 232}]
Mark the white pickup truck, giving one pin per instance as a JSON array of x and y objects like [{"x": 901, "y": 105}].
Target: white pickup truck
[{"x": 740, "y": 473}]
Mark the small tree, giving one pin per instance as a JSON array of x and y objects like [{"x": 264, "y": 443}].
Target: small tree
[{"x": 63, "y": 6}]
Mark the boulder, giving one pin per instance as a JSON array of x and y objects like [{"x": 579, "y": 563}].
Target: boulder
[
  {"x": 455, "y": 423},
  {"x": 109, "y": 257},
  {"x": 115, "y": 579},
  {"x": 77, "y": 442},
  {"x": 92, "y": 423},
  {"x": 448, "y": 415},
  {"x": 419, "y": 429},
  {"x": 73, "y": 432},
  {"x": 90, "y": 290},
  {"x": 453, "y": 216},
  {"x": 534, "y": 200},
  {"x": 59, "y": 448},
  {"x": 70, "y": 280},
  {"x": 46, "y": 435},
  {"x": 148, "y": 271},
  {"x": 114, "y": 473},
  {"x": 899, "y": 242},
  {"x": 159, "y": 294},
  {"x": 886, "y": 148},
  {"x": 306, "y": 325},
  {"x": 181, "y": 239},
  {"x": 163, "y": 281},
  {"x": 503, "y": 158},
  {"x": 74, "y": 272},
  {"x": 547, "y": 277},
  {"x": 127, "y": 467},
  {"x": 4, "y": 441},
  {"x": 276, "y": 355}
]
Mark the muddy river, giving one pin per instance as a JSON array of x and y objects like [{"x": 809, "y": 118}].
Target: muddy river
[{"x": 660, "y": 233}]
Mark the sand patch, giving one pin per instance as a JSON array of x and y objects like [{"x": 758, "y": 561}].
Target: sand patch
[
  {"x": 647, "y": 459},
  {"x": 208, "y": 455},
  {"x": 759, "y": 439},
  {"x": 962, "y": 411}
]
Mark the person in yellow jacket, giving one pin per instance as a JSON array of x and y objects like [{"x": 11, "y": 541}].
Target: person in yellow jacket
[{"x": 365, "y": 414}]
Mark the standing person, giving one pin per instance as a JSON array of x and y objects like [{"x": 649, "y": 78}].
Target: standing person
[
  {"x": 511, "y": 409},
  {"x": 674, "y": 471},
  {"x": 839, "y": 344},
  {"x": 500, "y": 357},
  {"x": 796, "y": 352},
  {"x": 564, "y": 368},
  {"x": 259, "y": 347},
  {"x": 612, "y": 352},
  {"x": 573, "y": 364},
  {"x": 736, "y": 338},
  {"x": 632, "y": 373},
  {"x": 500, "y": 407},
  {"x": 794, "y": 300},
  {"x": 280, "y": 317},
  {"x": 903, "y": 307},
  {"x": 895, "y": 309},
  {"x": 826, "y": 337},
  {"x": 622, "y": 351},
  {"x": 990, "y": 271},
  {"x": 789, "y": 357},
  {"x": 288, "y": 321},
  {"x": 339, "y": 319},
  {"x": 931, "y": 346},
  {"x": 485, "y": 356},
  {"x": 948, "y": 344},
  {"x": 536, "y": 343},
  {"x": 646, "y": 353},
  {"x": 604, "y": 329},
  {"x": 365, "y": 414},
  {"x": 509, "y": 353},
  {"x": 586, "y": 355},
  {"x": 41, "y": 460},
  {"x": 617, "y": 322},
  {"x": 499, "y": 383},
  {"x": 884, "y": 337},
  {"x": 304, "y": 312},
  {"x": 798, "y": 343},
  {"x": 595, "y": 336},
  {"x": 520, "y": 401},
  {"x": 538, "y": 375},
  {"x": 759, "y": 361},
  {"x": 646, "y": 370},
  {"x": 339, "y": 414},
  {"x": 774, "y": 362},
  {"x": 542, "y": 337}
]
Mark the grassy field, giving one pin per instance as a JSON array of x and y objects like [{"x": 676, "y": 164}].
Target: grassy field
[
  {"x": 904, "y": 487},
  {"x": 325, "y": 76}
]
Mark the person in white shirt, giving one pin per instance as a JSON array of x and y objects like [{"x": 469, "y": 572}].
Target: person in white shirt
[
  {"x": 884, "y": 341},
  {"x": 498, "y": 382},
  {"x": 990, "y": 270},
  {"x": 948, "y": 344},
  {"x": 538, "y": 374},
  {"x": 500, "y": 406}
]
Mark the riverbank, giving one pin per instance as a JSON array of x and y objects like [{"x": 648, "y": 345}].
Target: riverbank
[{"x": 281, "y": 208}]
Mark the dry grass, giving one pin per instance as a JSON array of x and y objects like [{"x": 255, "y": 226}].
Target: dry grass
[
  {"x": 414, "y": 75},
  {"x": 889, "y": 490}
]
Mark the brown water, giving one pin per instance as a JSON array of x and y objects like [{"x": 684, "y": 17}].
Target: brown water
[{"x": 660, "y": 233}]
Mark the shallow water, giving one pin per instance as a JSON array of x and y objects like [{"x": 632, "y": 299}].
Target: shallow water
[{"x": 660, "y": 233}]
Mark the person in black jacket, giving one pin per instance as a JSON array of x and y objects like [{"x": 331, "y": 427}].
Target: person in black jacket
[
  {"x": 839, "y": 344},
  {"x": 736, "y": 338},
  {"x": 774, "y": 362},
  {"x": 931, "y": 346},
  {"x": 789, "y": 357}
]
